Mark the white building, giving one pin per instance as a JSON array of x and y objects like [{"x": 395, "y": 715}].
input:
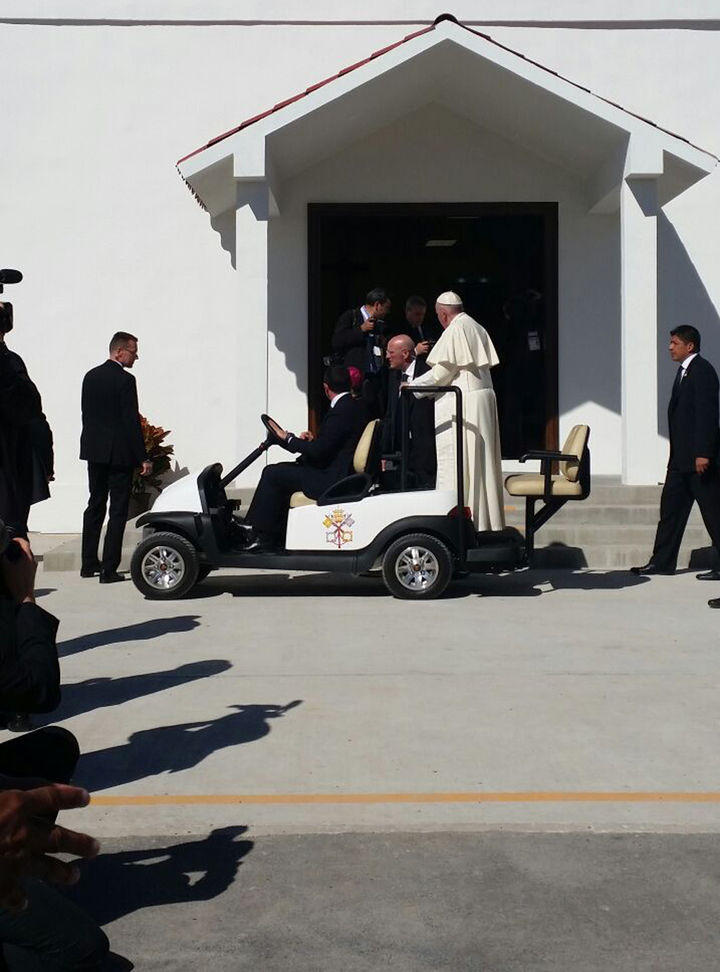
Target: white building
[{"x": 356, "y": 134}]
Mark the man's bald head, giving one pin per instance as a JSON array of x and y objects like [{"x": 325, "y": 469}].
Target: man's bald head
[{"x": 400, "y": 351}]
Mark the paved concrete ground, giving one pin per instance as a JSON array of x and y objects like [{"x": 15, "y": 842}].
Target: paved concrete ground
[{"x": 375, "y": 750}]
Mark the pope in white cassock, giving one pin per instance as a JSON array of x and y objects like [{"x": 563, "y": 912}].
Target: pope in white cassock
[{"x": 463, "y": 357}]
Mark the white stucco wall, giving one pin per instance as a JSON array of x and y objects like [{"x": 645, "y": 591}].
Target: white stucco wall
[{"x": 93, "y": 212}]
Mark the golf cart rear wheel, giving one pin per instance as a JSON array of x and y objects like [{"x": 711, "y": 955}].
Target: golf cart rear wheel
[
  {"x": 417, "y": 567},
  {"x": 164, "y": 566}
]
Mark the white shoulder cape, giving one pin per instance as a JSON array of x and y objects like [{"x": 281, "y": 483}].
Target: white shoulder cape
[{"x": 464, "y": 342}]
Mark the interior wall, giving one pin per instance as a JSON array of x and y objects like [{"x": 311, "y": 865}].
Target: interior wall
[{"x": 434, "y": 156}]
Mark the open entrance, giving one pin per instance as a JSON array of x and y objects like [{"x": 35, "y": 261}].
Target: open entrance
[{"x": 500, "y": 257}]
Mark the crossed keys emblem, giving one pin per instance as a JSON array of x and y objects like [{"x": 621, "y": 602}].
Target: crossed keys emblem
[{"x": 338, "y": 525}]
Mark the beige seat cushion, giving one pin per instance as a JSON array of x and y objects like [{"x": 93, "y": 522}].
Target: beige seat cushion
[
  {"x": 362, "y": 449},
  {"x": 533, "y": 484},
  {"x": 300, "y": 499}
]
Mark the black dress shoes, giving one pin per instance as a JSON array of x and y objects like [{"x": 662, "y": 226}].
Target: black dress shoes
[
  {"x": 258, "y": 542},
  {"x": 649, "y": 570},
  {"x": 89, "y": 571},
  {"x": 709, "y": 575},
  {"x": 112, "y": 577}
]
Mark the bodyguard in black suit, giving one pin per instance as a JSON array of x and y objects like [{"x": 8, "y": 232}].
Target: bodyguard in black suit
[
  {"x": 112, "y": 443},
  {"x": 404, "y": 366},
  {"x": 324, "y": 460},
  {"x": 692, "y": 472}
]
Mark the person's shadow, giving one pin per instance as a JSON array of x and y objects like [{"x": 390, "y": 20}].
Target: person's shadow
[
  {"x": 99, "y": 693},
  {"x": 171, "y": 749},
  {"x": 118, "y": 884},
  {"x": 142, "y": 631}
]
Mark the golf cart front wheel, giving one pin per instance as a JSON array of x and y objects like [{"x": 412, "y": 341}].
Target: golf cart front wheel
[
  {"x": 417, "y": 567},
  {"x": 164, "y": 566}
]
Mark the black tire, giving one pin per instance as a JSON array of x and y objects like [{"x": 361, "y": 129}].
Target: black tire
[
  {"x": 417, "y": 567},
  {"x": 179, "y": 557}
]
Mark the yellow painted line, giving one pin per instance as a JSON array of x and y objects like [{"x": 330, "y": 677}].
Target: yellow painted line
[{"x": 270, "y": 799}]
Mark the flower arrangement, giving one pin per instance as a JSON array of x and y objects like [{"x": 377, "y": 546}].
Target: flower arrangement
[{"x": 157, "y": 453}]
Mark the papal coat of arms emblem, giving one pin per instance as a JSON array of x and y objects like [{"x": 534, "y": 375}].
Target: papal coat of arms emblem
[{"x": 337, "y": 525}]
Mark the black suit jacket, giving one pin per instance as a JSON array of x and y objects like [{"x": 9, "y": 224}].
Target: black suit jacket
[
  {"x": 422, "y": 459},
  {"x": 353, "y": 345},
  {"x": 111, "y": 431},
  {"x": 328, "y": 458},
  {"x": 693, "y": 417},
  {"x": 29, "y": 670}
]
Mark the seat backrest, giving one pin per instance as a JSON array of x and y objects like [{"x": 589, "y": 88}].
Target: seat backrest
[
  {"x": 367, "y": 447},
  {"x": 574, "y": 446}
]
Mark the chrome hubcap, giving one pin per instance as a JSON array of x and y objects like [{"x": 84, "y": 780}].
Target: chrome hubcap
[
  {"x": 163, "y": 568},
  {"x": 417, "y": 568}
]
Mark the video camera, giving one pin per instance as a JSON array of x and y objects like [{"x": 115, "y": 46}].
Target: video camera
[{"x": 7, "y": 276}]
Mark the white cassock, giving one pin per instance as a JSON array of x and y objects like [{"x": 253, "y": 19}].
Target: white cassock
[{"x": 463, "y": 357}]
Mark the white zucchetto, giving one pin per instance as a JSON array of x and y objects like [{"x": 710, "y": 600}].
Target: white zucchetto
[{"x": 450, "y": 299}]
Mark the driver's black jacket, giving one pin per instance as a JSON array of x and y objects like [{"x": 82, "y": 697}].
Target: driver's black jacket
[
  {"x": 29, "y": 670},
  {"x": 330, "y": 454}
]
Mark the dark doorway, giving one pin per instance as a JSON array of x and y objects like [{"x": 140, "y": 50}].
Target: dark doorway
[{"x": 500, "y": 257}]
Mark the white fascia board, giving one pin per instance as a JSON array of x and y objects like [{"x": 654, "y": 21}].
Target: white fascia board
[{"x": 382, "y": 11}]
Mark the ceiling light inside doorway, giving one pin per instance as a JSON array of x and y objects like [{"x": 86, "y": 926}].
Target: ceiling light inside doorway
[{"x": 441, "y": 243}]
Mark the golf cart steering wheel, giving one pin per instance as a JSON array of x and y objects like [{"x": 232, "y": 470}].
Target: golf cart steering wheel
[{"x": 266, "y": 421}]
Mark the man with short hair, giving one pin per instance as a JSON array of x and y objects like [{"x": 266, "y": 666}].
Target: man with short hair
[
  {"x": 324, "y": 459},
  {"x": 416, "y": 327},
  {"x": 404, "y": 366},
  {"x": 692, "y": 471},
  {"x": 113, "y": 446},
  {"x": 359, "y": 340}
]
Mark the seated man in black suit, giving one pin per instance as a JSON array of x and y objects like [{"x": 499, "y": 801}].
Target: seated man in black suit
[
  {"x": 324, "y": 460},
  {"x": 404, "y": 365}
]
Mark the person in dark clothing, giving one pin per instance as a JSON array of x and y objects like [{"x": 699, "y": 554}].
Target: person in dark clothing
[
  {"x": 112, "y": 443},
  {"x": 359, "y": 341},
  {"x": 404, "y": 366},
  {"x": 423, "y": 333},
  {"x": 39, "y": 928},
  {"x": 26, "y": 441},
  {"x": 324, "y": 460},
  {"x": 692, "y": 472}
]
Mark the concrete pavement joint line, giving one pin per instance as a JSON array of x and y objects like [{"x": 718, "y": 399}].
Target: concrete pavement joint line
[{"x": 328, "y": 798}]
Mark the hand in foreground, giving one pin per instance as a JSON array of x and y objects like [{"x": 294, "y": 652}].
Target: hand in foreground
[
  {"x": 19, "y": 573},
  {"x": 701, "y": 465},
  {"x": 307, "y": 436},
  {"x": 368, "y": 325},
  {"x": 27, "y": 838},
  {"x": 279, "y": 432},
  {"x": 422, "y": 347},
  {"x": 146, "y": 468}
]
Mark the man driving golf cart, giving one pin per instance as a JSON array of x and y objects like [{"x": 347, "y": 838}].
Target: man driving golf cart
[{"x": 324, "y": 459}]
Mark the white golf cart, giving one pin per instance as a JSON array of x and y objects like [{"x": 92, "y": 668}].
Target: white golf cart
[{"x": 418, "y": 537}]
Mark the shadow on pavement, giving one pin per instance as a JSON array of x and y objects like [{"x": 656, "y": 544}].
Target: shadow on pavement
[
  {"x": 118, "y": 884},
  {"x": 100, "y": 693},
  {"x": 171, "y": 749},
  {"x": 141, "y": 631}
]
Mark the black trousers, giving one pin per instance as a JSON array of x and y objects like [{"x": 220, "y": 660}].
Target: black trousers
[
  {"x": 52, "y": 934},
  {"x": 269, "y": 508},
  {"x": 679, "y": 493},
  {"x": 104, "y": 481}
]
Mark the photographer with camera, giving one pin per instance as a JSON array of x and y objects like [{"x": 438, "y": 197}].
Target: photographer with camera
[{"x": 359, "y": 342}]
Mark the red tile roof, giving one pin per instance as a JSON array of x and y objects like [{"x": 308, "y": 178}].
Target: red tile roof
[{"x": 409, "y": 37}]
